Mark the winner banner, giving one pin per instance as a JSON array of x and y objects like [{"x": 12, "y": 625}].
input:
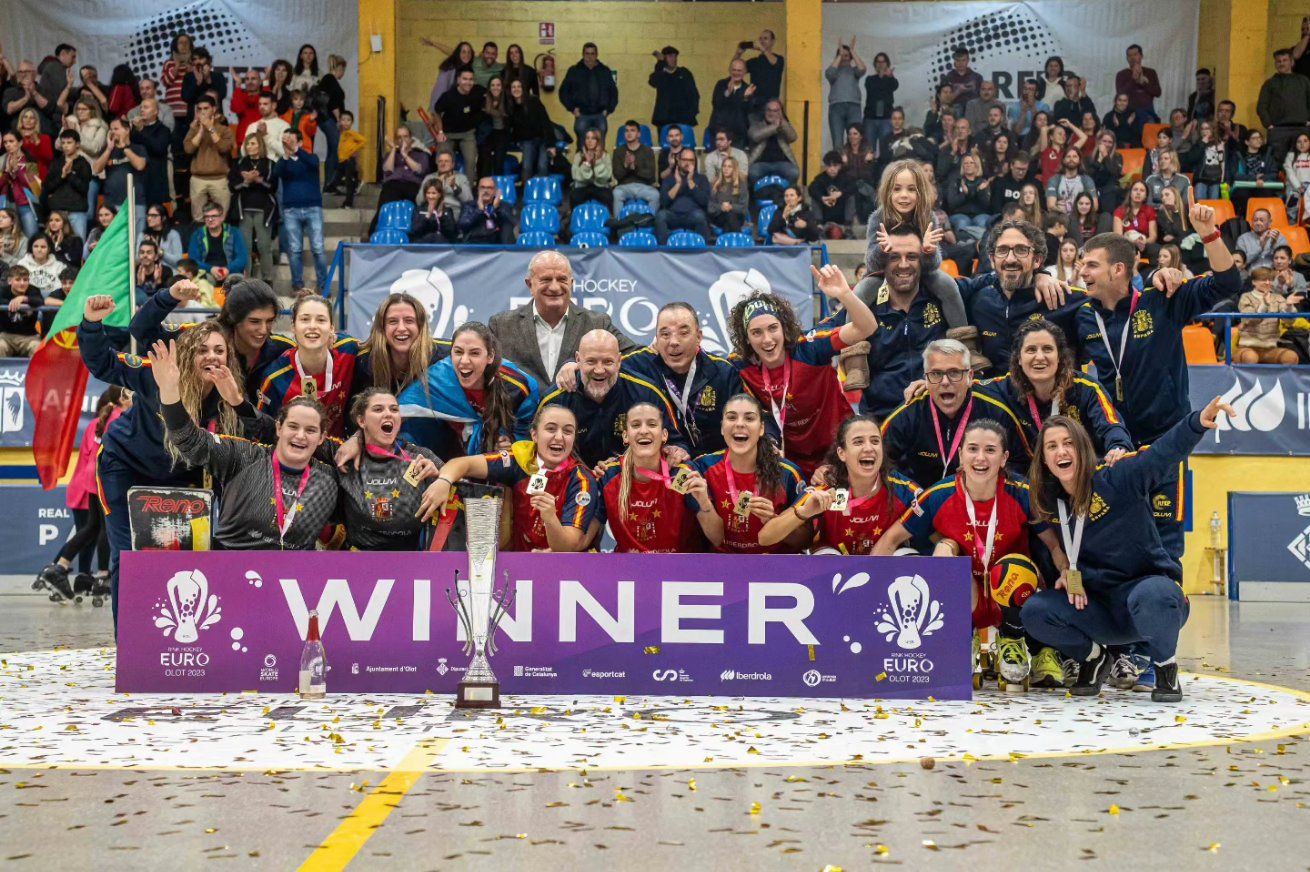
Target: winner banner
[{"x": 669, "y": 624}]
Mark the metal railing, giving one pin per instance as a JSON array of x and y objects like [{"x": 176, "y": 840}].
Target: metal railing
[{"x": 1229, "y": 317}]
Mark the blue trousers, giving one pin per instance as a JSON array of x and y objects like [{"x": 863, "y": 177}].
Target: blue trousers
[{"x": 1150, "y": 610}]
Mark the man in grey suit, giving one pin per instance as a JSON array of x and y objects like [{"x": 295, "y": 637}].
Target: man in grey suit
[{"x": 544, "y": 334}]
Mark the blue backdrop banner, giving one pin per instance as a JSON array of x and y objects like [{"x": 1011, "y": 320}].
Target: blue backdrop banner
[
  {"x": 459, "y": 284},
  {"x": 1272, "y": 405},
  {"x": 16, "y": 421},
  {"x": 36, "y": 523},
  {"x": 1268, "y": 538}
]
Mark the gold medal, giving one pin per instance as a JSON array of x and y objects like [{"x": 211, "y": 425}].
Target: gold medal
[
  {"x": 1119, "y": 388},
  {"x": 680, "y": 481},
  {"x": 411, "y": 474},
  {"x": 1073, "y": 582},
  {"x": 743, "y": 507},
  {"x": 841, "y": 500},
  {"x": 309, "y": 387},
  {"x": 537, "y": 483}
]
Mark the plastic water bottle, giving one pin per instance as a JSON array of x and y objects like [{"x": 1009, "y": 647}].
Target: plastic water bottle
[
  {"x": 313, "y": 663},
  {"x": 1214, "y": 529},
  {"x": 1223, "y": 191}
]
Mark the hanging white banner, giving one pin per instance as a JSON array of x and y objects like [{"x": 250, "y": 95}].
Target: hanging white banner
[
  {"x": 1010, "y": 42},
  {"x": 238, "y": 33}
]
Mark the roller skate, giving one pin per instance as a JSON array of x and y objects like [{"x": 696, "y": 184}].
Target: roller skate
[
  {"x": 1014, "y": 663},
  {"x": 100, "y": 591},
  {"x": 975, "y": 659},
  {"x": 83, "y": 583},
  {"x": 1047, "y": 669},
  {"x": 54, "y": 578}
]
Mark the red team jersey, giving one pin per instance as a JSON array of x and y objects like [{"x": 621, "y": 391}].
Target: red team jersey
[
  {"x": 285, "y": 383},
  {"x": 659, "y": 520},
  {"x": 742, "y": 535},
  {"x": 814, "y": 406},
  {"x": 571, "y": 484},
  {"x": 859, "y": 531}
]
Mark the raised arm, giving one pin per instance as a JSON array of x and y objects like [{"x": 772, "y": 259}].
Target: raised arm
[{"x": 860, "y": 320}]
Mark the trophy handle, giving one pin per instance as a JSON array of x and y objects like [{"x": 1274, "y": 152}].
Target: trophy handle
[
  {"x": 501, "y": 600},
  {"x": 461, "y": 609}
]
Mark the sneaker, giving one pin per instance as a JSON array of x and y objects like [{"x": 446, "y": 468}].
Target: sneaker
[
  {"x": 1069, "y": 667},
  {"x": 1123, "y": 674},
  {"x": 1146, "y": 680},
  {"x": 1015, "y": 663},
  {"x": 1167, "y": 688},
  {"x": 1047, "y": 671},
  {"x": 1091, "y": 675}
]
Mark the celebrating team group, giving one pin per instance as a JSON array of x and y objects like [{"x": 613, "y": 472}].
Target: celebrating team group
[{"x": 1063, "y": 490}]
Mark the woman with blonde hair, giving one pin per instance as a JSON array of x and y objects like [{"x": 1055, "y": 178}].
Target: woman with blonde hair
[
  {"x": 729, "y": 198},
  {"x": 906, "y": 196},
  {"x": 593, "y": 171},
  {"x": 254, "y": 203},
  {"x": 1258, "y": 342},
  {"x": 399, "y": 348}
]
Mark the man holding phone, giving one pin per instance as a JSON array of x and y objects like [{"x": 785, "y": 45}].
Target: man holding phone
[{"x": 765, "y": 69}]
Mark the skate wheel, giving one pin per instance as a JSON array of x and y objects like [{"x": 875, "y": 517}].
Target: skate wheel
[
  {"x": 39, "y": 584},
  {"x": 1001, "y": 684},
  {"x": 78, "y": 599},
  {"x": 1025, "y": 685},
  {"x": 977, "y": 681},
  {"x": 97, "y": 601}
]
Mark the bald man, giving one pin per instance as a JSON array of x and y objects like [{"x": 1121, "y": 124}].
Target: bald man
[
  {"x": 601, "y": 398},
  {"x": 543, "y": 335}
]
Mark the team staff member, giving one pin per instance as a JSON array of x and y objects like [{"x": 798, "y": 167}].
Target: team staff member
[
  {"x": 274, "y": 497},
  {"x": 551, "y": 515},
  {"x": 749, "y": 484},
  {"x": 876, "y": 498},
  {"x": 472, "y": 402},
  {"x": 400, "y": 347},
  {"x": 600, "y": 396},
  {"x": 250, "y": 307},
  {"x": 134, "y": 451},
  {"x": 698, "y": 384},
  {"x": 1043, "y": 381},
  {"x": 984, "y": 513},
  {"x": 321, "y": 366},
  {"x": 1131, "y": 586},
  {"x": 922, "y": 437},
  {"x": 381, "y": 495},
  {"x": 792, "y": 374},
  {"x": 646, "y": 515},
  {"x": 1135, "y": 339},
  {"x": 1000, "y": 302}
]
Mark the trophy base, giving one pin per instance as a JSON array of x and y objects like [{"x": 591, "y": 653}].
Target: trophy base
[{"x": 478, "y": 695}]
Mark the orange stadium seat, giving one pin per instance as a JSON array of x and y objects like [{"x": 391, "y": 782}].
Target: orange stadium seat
[
  {"x": 1134, "y": 158},
  {"x": 1148, "y": 134},
  {"x": 1297, "y": 238},
  {"x": 949, "y": 267},
  {"x": 1275, "y": 205},
  {"x": 1198, "y": 343},
  {"x": 1223, "y": 209}
]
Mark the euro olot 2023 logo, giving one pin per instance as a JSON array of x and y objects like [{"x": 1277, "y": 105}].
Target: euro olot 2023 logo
[
  {"x": 909, "y": 616},
  {"x": 186, "y": 609}
]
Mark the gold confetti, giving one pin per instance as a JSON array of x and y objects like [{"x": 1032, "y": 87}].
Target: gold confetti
[
  {"x": 881, "y": 676},
  {"x": 752, "y": 750},
  {"x": 620, "y": 699},
  {"x": 651, "y": 649},
  {"x": 811, "y": 653},
  {"x": 1114, "y": 811},
  {"x": 620, "y": 796},
  {"x": 1180, "y": 719},
  {"x": 691, "y": 783},
  {"x": 881, "y": 850},
  {"x": 755, "y": 808},
  {"x": 1214, "y": 847}
]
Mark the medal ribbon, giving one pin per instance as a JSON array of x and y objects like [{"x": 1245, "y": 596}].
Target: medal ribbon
[
  {"x": 959, "y": 434},
  {"x": 985, "y": 556},
  {"x": 284, "y": 518},
  {"x": 1123, "y": 337},
  {"x": 327, "y": 373},
  {"x": 1072, "y": 544}
]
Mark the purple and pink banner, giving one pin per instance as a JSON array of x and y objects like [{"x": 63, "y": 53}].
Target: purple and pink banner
[{"x": 669, "y": 624}]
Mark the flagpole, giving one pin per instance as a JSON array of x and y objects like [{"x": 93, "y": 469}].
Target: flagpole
[{"x": 131, "y": 251}]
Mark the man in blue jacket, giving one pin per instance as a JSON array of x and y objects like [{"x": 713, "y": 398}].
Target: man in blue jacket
[
  {"x": 218, "y": 246},
  {"x": 684, "y": 199},
  {"x": 302, "y": 208}
]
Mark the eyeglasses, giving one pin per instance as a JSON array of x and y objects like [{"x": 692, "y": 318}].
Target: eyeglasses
[
  {"x": 935, "y": 376},
  {"x": 1003, "y": 251}
]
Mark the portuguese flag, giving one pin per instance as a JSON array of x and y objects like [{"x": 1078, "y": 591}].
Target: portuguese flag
[{"x": 56, "y": 377}]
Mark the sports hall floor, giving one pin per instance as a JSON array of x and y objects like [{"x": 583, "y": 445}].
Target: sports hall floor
[{"x": 90, "y": 780}]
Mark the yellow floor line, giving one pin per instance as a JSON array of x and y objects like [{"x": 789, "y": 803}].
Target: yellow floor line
[{"x": 338, "y": 849}]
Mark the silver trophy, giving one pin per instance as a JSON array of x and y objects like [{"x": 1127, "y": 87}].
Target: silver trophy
[{"x": 480, "y": 608}]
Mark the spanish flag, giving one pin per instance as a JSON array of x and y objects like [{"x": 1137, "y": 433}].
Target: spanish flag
[{"x": 56, "y": 377}]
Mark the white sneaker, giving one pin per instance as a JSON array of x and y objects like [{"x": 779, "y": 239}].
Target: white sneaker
[{"x": 1123, "y": 674}]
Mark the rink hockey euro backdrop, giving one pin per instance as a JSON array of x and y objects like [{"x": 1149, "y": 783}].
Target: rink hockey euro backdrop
[
  {"x": 678, "y": 625},
  {"x": 472, "y": 283},
  {"x": 1010, "y": 42}
]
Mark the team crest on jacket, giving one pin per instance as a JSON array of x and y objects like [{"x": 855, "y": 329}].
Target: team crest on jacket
[
  {"x": 132, "y": 360},
  {"x": 620, "y": 423},
  {"x": 1099, "y": 508},
  {"x": 932, "y": 316},
  {"x": 1143, "y": 324},
  {"x": 707, "y": 398},
  {"x": 1161, "y": 503}
]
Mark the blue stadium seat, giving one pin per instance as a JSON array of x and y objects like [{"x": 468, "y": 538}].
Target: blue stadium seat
[
  {"x": 765, "y": 218},
  {"x": 688, "y": 135},
  {"x": 771, "y": 182},
  {"x": 459, "y": 162},
  {"x": 537, "y": 216},
  {"x": 686, "y": 239},
  {"x": 638, "y": 239},
  {"x": 546, "y": 189},
  {"x": 590, "y": 239},
  {"x": 508, "y": 192},
  {"x": 512, "y": 165},
  {"x": 589, "y": 218},
  {"x": 735, "y": 240},
  {"x": 707, "y": 140},
  {"x": 645, "y": 136},
  {"x": 536, "y": 239},
  {"x": 635, "y": 207},
  {"x": 389, "y": 236},
  {"x": 398, "y": 214}
]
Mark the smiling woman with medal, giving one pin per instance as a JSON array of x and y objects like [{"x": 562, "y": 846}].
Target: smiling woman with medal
[
  {"x": 791, "y": 374},
  {"x": 983, "y": 513},
  {"x": 554, "y": 495},
  {"x": 381, "y": 495},
  {"x": 650, "y": 507},
  {"x": 321, "y": 367},
  {"x": 749, "y": 484},
  {"x": 1121, "y": 586},
  {"x": 863, "y": 502},
  {"x": 274, "y": 497}
]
